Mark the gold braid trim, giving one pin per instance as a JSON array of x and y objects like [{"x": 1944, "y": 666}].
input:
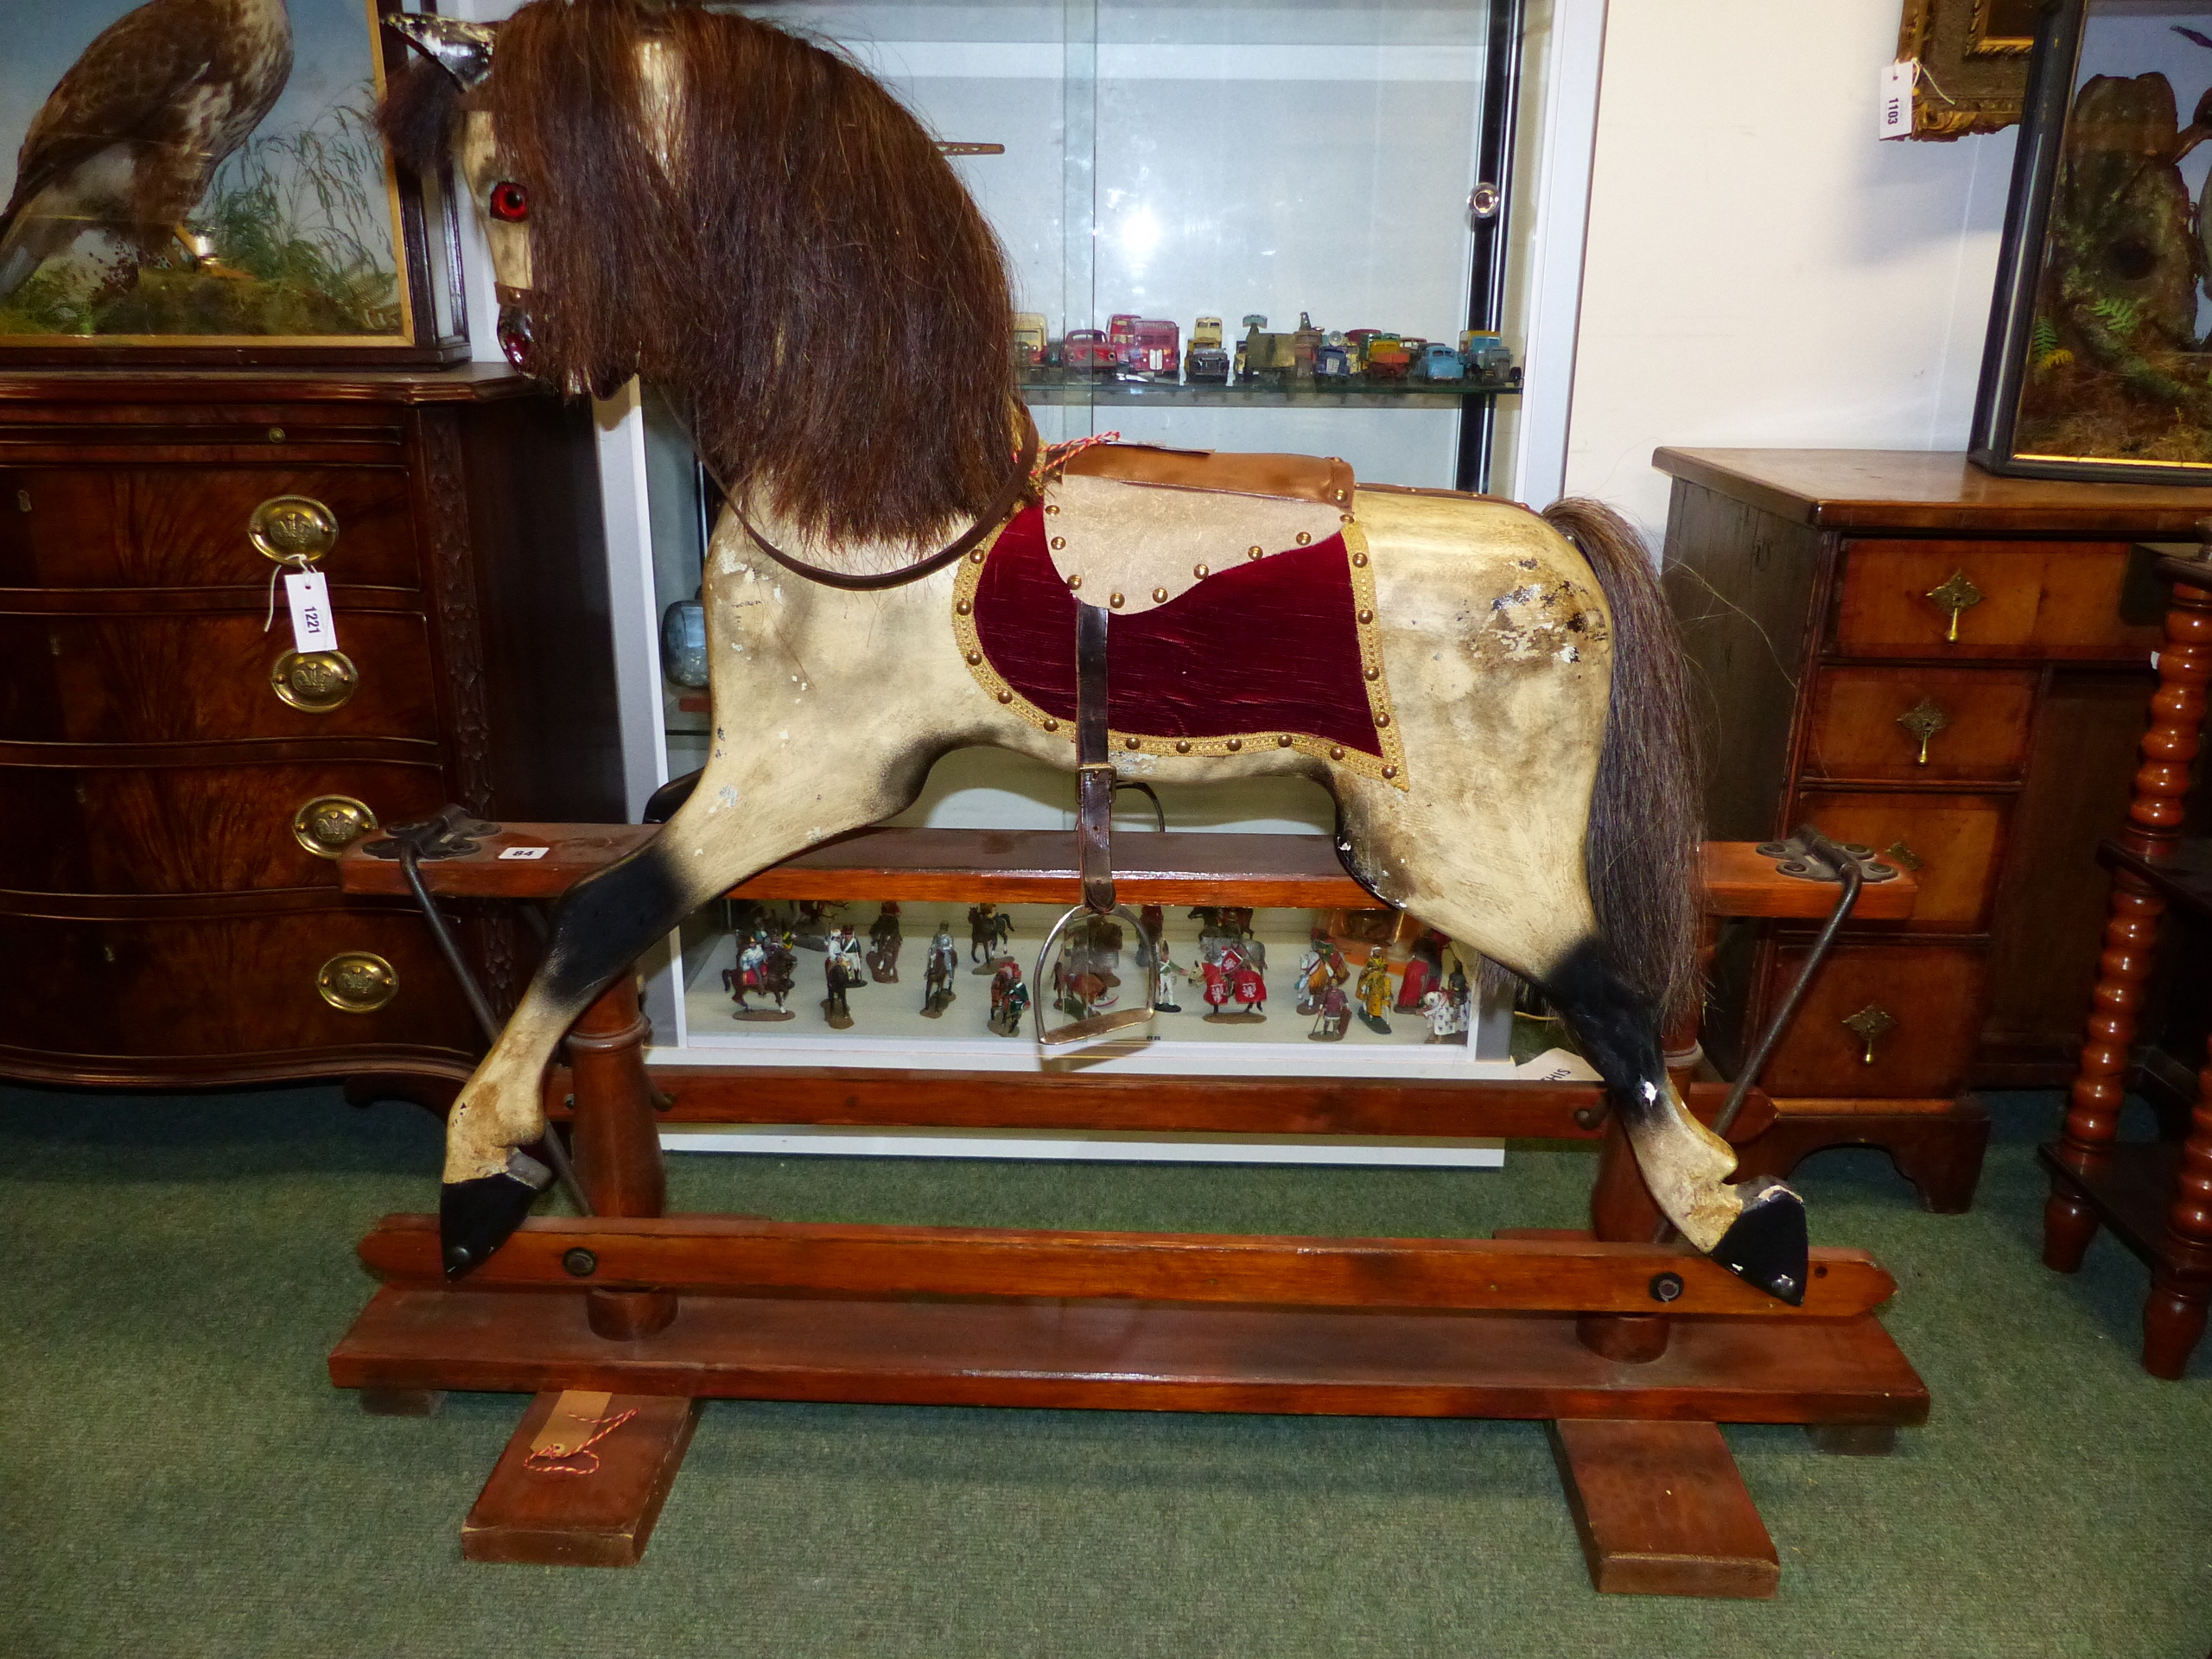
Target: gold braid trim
[{"x": 1390, "y": 767}]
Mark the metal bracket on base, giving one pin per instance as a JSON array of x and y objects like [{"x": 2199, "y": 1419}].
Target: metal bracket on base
[{"x": 1803, "y": 856}]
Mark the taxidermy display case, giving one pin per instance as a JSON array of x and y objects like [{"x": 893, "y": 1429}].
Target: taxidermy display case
[{"x": 2097, "y": 364}]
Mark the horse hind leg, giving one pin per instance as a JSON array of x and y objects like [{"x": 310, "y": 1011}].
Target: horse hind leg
[
  {"x": 1530, "y": 911},
  {"x": 1755, "y": 1230}
]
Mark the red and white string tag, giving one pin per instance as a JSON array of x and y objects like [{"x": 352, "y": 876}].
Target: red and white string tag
[{"x": 562, "y": 1446}]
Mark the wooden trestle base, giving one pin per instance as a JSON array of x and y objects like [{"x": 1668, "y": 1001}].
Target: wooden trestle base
[{"x": 621, "y": 1322}]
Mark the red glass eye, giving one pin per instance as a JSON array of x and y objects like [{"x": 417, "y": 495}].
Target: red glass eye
[{"x": 510, "y": 202}]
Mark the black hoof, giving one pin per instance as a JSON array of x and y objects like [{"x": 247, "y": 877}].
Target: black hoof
[
  {"x": 1766, "y": 1245},
  {"x": 475, "y": 1217}
]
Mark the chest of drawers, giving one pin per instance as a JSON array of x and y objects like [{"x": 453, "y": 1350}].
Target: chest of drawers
[
  {"x": 174, "y": 788},
  {"x": 1947, "y": 667}
]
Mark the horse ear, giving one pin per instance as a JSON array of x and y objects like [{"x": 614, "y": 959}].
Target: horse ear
[{"x": 463, "y": 49}]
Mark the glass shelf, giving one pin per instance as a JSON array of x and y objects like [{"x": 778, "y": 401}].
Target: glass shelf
[{"x": 1171, "y": 393}]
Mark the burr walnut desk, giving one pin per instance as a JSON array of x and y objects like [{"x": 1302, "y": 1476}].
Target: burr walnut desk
[{"x": 1950, "y": 667}]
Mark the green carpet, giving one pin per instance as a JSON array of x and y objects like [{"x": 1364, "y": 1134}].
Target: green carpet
[{"x": 177, "y": 1477}]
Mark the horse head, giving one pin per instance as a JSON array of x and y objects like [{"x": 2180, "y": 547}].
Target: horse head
[{"x": 458, "y": 62}]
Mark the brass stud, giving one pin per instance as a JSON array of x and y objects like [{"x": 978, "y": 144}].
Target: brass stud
[
  {"x": 1116, "y": 601},
  {"x": 1374, "y": 673},
  {"x": 1343, "y": 517},
  {"x": 1182, "y": 746},
  {"x": 1359, "y": 561},
  {"x": 1366, "y": 617},
  {"x": 1255, "y": 552},
  {"x": 1052, "y": 725},
  {"x": 963, "y": 608},
  {"x": 1381, "y": 720},
  {"x": 1051, "y": 507},
  {"x": 1059, "y": 542},
  {"x": 1234, "y": 744},
  {"x": 1390, "y": 772},
  {"x": 1160, "y": 595},
  {"x": 1340, "y": 495},
  {"x": 1006, "y": 696},
  {"x": 1201, "y": 571},
  {"x": 1074, "y": 583},
  {"x": 974, "y": 659},
  {"x": 1305, "y": 538},
  {"x": 1336, "y": 752},
  {"x": 1282, "y": 741},
  {"x": 1132, "y": 742}
]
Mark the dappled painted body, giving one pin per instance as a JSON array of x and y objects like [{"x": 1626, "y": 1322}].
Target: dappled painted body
[{"x": 1516, "y": 778}]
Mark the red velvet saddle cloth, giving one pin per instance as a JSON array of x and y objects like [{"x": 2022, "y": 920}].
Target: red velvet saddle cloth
[{"x": 1269, "y": 653}]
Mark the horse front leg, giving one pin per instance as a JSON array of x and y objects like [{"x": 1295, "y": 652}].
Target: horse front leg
[{"x": 601, "y": 927}]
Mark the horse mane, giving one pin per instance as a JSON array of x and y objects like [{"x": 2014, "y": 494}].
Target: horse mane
[{"x": 805, "y": 276}]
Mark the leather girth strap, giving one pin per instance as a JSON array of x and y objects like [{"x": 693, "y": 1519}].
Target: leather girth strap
[{"x": 1094, "y": 785}]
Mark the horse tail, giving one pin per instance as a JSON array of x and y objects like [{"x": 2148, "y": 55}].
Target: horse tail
[{"x": 1641, "y": 854}]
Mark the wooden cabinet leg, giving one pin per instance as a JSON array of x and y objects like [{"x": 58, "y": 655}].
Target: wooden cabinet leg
[
  {"x": 2173, "y": 1319},
  {"x": 2069, "y": 1224},
  {"x": 2173, "y": 1323},
  {"x": 618, "y": 1144}
]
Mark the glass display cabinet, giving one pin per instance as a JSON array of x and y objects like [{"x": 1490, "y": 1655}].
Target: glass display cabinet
[{"x": 1269, "y": 227}]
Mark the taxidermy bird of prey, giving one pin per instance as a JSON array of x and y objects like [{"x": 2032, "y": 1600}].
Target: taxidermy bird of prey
[{"x": 128, "y": 140}]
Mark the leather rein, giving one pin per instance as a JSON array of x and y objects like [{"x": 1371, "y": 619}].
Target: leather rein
[{"x": 1000, "y": 509}]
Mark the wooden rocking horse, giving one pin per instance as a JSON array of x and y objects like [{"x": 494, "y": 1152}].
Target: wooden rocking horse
[{"x": 756, "y": 225}]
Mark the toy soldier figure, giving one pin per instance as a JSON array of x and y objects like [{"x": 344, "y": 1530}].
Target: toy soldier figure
[
  {"x": 841, "y": 969},
  {"x": 944, "y": 961},
  {"x": 1155, "y": 926},
  {"x": 883, "y": 961},
  {"x": 1373, "y": 993},
  {"x": 1334, "y": 1015},
  {"x": 989, "y": 928},
  {"x": 1009, "y": 999},
  {"x": 1447, "y": 1016},
  {"x": 764, "y": 968}
]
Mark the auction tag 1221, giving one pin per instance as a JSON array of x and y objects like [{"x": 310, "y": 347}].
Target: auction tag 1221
[{"x": 313, "y": 628}]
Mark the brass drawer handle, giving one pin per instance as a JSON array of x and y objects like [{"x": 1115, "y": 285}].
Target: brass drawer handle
[
  {"x": 292, "y": 529},
  {"x": 1870, "y": 1023},
  {"x": 1955, "y": 594},
  {"x": 1923, "y": 720},
  {"x": 357, "y": 982},
  {"x": 317, "y": 683},
  {"x": 328, "y": 824}
]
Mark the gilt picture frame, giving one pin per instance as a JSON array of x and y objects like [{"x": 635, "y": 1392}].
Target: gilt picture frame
[
  {"x": 1972, "y": 64},
  {"x": 236, "y": 208}
]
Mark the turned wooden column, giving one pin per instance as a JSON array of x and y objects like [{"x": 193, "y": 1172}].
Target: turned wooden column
[
  {"x": 2154, "y": 818},
  {"x": 617, "y": 1142},
  {"x": 1622, "y": 1211},
  {"x": 2181, "y": 1280}
]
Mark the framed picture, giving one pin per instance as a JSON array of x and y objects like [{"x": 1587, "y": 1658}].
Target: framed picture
[
  {"x": 1973, "y": 59},
  {"x": 2097, "y": 364},
  {"x": 198, "y": 184}
]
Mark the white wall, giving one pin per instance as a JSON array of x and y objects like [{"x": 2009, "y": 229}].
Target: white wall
[{"x": 1762, "y": 271}]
